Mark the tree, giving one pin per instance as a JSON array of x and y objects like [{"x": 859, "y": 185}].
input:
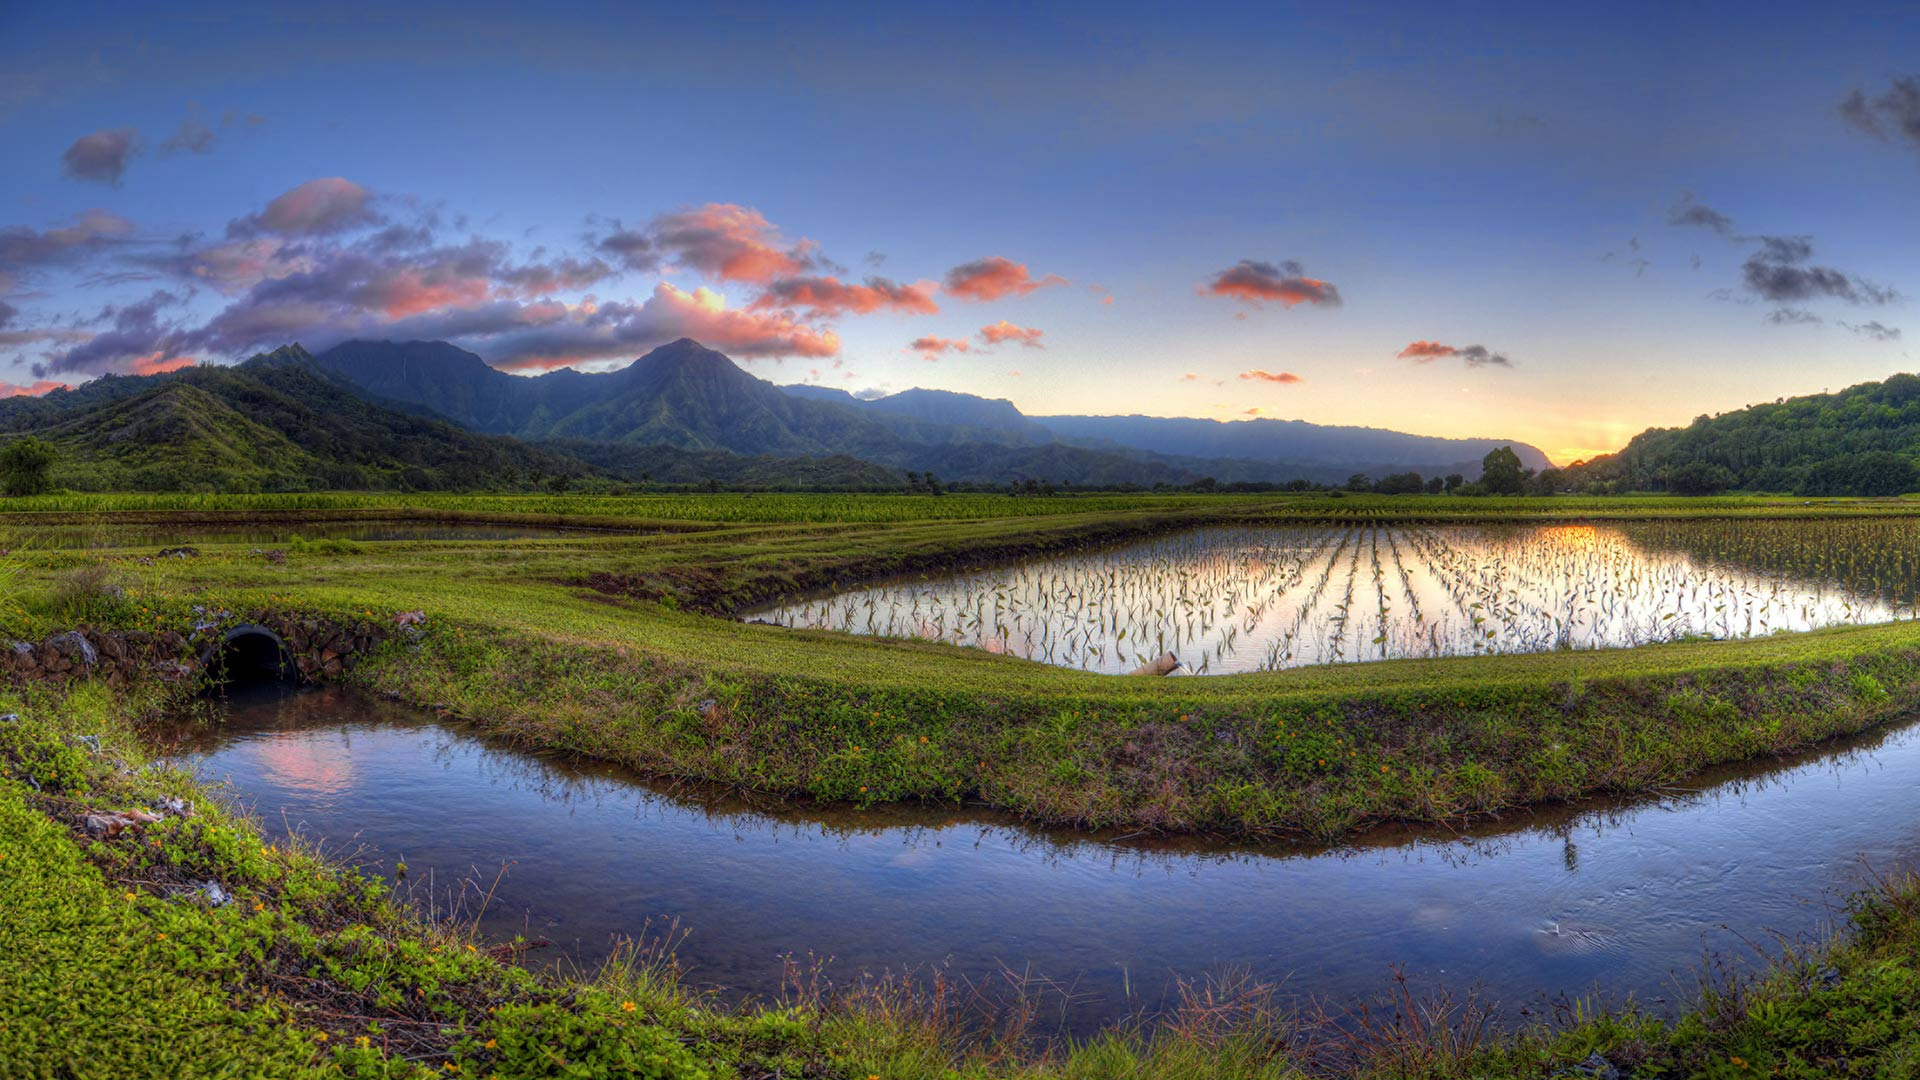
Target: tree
[
  {"x": 1436, "y": 485},
  {"x": 1407, "y": 483},
  {"x": 1454, "y": 480},
  {"x": 1700, "y": 478},
  {"x": 1359, "y": 482},
  {"x": 1501, "y": 472},
  {"x": 24, "y": 465}
]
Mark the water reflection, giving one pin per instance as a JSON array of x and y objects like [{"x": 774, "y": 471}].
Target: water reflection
[
  {"x": 1232, "y": 599},
  {"x": 1621, "y": 896}
]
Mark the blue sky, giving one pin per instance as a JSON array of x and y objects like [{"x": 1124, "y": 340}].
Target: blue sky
[{"x": 1294, "y": 191}]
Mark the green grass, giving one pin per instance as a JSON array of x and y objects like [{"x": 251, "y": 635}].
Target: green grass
[
  {"x": 599, "y": 646},
  {"x": 110, "y": 967},
  {"x": 783, "y": 507}
]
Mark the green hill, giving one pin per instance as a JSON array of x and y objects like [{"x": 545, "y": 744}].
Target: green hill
[
  {"x": 1864, "y": 440},
  {"x": 274, "y": 423}
]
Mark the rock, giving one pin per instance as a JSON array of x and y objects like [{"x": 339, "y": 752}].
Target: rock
[
  {"x": 91, "y": 742},
  {"x": 1594, "y": 1067},
  {"x": 182, "y": 552},
  {"x": 74, "y": 645},
  {"x": 1166, "y": 665},
  {"x": 109, "y": 826},
  {"x": 215, "y": 895}
]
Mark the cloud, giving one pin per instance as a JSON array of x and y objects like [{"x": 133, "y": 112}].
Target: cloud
[
  {"x": 1105, "y": 294},
  {"x": 1789, "y": 316},
  {"x": 931, "y": 347},
  {"x": 24, "y": 250},
  {"x": 1285, "y": 283},
  {"x": 1892, "y": 115},
  {"x": 1004, "y": 331},
  {"x": 632, "y": 248},
  {"x": 994, "y": 278},
  {"x": 137, "y": 330},
  {"x": 1777, "y": 273},
  {"x": 556, "y": 276},
  {"x": 829, "y": 296},
  {"x": 192, "y": 137},
  {"x": 322, "y": 207},
  {"x": 1690, "y": 212},
  {"x": 103, "y": 155},
  {"x": 10, "y": 390},
  {"x": 1874, "y": 330},
  {"x": 730, "y": 242},
  {"x": 1190, "y": 376},
  {"x": 1426, "y": 352},
  {"x": 1257, "y": 375}
]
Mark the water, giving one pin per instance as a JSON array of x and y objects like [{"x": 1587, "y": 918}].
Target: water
[
  {"x": 1236, "y": 599},
  {"x": 266, "y": 533},
  {"x": 1613, "y": 898}
]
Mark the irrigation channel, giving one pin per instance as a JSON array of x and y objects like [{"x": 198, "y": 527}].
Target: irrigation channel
[
  {"x": 1605, "y": 899},
  {"x": 1236, "y": 599}
]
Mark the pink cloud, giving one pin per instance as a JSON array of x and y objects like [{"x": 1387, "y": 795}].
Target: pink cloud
[
  {"x": 1256, "y": 375},
  {"x": 1284, "y": 283},
  {"x": 1426, "y": 352},
  {"x": 731, "y": 243},
  {"x": 330, "y": 204},
  {"x": 829, "y": 296},
  {"x": 994, "y": 277},
  {"x": 931, "y": 347},
  {"x": 1004, "y": 331},
  {"x": 11, "y": 390},
  {"x": 156, "y": 362}
]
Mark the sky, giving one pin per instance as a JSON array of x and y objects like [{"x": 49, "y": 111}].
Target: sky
[{"x": 1550, "y": 225}]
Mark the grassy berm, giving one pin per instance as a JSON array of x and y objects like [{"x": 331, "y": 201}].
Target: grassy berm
[{"x": 147, "y": 932}]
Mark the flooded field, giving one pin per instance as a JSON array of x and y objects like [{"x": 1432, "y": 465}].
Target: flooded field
[
  {"x": 1614, "y": 898},
  {"x": 1224, "y": 600}
]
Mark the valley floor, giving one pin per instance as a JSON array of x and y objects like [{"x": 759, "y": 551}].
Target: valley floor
[{"x": 608, "y": 645}]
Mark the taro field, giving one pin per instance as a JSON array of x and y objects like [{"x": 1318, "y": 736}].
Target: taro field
[{"x": 1237, "y": 599}]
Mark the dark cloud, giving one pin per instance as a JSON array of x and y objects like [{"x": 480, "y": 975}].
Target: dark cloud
[
  {"x": 1690, "y": 212},
  {"x": 7, "y": 314},
  {"x": 1788, "y": 316},
  {"x": 1426, "y": 352},
  {"x": 1874, "y": 330},
  {"x": 1284, "y": 283},
  {"x": 192, "y": 137},
  {"x": 103, "y": 155},
  {"x": 632, "y": 248},
  {"x": 137, "y": 334},
  {"x": 829, "y": 296},
  {"x": 875, "y": 259},
  {"x": 1893, "y": 115},
  {"x": 23, "y": 249},
  {"x": 1777, "y": 272}
]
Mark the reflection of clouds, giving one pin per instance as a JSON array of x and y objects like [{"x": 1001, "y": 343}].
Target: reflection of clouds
[
  {"x": 1227, "y": 599},
  {"x": 316, "y": 764}
]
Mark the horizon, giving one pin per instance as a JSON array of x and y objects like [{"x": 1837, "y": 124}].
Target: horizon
[{"x": 1539, "y": 227}]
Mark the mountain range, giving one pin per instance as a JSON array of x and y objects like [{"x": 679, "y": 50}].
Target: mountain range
[{"x": 429, "y": 415}]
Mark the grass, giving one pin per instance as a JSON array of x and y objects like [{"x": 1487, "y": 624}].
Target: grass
[
  {"x": 113, "y": 964},
  {"x": 607, "y": 646}
]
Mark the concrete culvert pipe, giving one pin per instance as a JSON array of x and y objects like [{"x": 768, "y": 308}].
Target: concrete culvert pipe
[{"x": 249, "y": 654}]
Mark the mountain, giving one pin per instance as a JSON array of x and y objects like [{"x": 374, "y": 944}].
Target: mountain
[
  {"x": 971, "y": 418},
  {"x": 1295, "y": 443},
  {"x": 1864, "y": 440},
  {"x": 692, "y": 398},
  {"x": 275, "y": 422}
]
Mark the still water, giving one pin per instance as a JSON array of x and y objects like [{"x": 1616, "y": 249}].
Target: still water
[
  {"x": 1236, "y": 599},
  {"x": 1616, "y": 898}
]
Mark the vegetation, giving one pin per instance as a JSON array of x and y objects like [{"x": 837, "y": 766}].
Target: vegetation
[
  {"x": 165, "y": 938},
  {"x": 24, "y": 464},
  {"x": 1860, "y": 441}
]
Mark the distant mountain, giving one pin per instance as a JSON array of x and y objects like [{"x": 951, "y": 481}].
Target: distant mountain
[
  {"x": 691, "y": 398},
  {"x": 1295, "y": 443},
  {"x": 275, "y": 422},
  {"x": 1864, "y": 440}
]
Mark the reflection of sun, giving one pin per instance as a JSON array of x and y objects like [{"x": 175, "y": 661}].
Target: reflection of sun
[
  {"x": 1573, "y": 536},
  {"x": 320, "y": 766}
]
